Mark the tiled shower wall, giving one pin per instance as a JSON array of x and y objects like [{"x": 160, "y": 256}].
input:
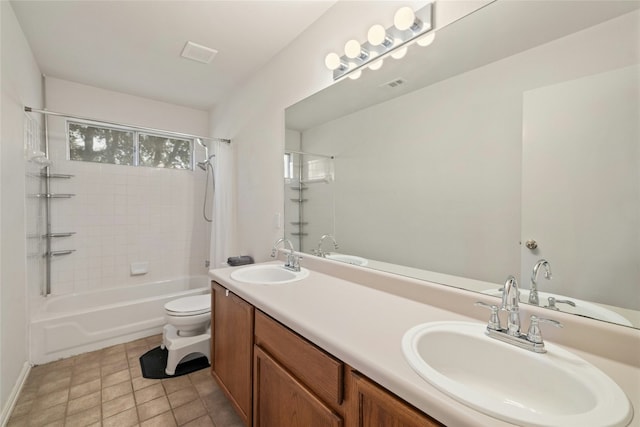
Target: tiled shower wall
[{"x": 123, "y": 215}]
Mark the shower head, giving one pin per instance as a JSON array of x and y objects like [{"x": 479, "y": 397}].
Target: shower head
[{"x": 203, "y": 165}]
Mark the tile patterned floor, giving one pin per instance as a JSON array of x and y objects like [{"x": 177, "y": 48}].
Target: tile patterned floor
[{"x": 106, "y": 388}]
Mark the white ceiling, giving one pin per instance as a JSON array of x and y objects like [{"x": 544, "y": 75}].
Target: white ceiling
[{"x": 134, "y": 46}]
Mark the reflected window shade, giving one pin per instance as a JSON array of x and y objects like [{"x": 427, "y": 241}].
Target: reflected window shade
[{"x": 320, "y": 170}]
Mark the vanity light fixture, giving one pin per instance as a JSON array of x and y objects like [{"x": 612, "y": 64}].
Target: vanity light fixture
[{"x": 408, "y": 27}]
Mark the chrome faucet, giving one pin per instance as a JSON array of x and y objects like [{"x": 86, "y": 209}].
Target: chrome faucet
[
  {"x": 532, "y": 340},
  {"x": 293, "y": 260},
  {"x": 533, "y": 292},
  {"x": 318, "y": 251},
  {"x": 511, "y": 306}
]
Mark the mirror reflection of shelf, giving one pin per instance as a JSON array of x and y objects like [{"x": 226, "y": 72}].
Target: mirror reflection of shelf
[
  {"x": 298, "y": 223},
  {"x": 52, "y": 195},
  {"x": 64, "y": 234},
  {"x": 60, "y": 253},
  {"x": 299, "y": 200},
  {"x": 299, "y": 233},
  {"x": 300, "y": 188},
  {"x": 57, "y": 175}
]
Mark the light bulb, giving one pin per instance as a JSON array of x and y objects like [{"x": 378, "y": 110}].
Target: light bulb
[
  {"x": 355, "y": 75},
  {"x": 399, "y": 53},
  {"x": 404, "y": 18},
  {"x": 376, "y": 35},
  {"x": 426, "y": 40},
  {"x": 352, "y": 49},
  {"x": 332, "y": 61},
  {"x": 375, "y": 65}
]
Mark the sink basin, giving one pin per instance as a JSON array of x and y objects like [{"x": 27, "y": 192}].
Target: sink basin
[
  {"x": 582, "y": 308},
  {"x": 270, "y": 274},
  {"x": 349, "y": 259},
  {"x": 556, "y": 388}
]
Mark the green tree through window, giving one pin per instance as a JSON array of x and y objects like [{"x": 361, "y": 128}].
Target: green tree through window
[{"x": 120, "y": 146}]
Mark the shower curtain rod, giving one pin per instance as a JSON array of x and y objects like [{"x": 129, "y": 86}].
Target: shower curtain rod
[
  {"x": 309, "y": 154},
  {"x": 155, "y": 130}
]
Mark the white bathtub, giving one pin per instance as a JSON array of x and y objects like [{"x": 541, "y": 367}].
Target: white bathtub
[{"x": 66, "y": 325}]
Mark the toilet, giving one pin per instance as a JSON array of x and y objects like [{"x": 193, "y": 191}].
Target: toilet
[{"x": 187, "y": 333}]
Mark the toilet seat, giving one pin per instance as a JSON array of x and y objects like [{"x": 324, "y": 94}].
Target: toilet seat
[
  {"x": 187, "y": 330},
  {"x": 189, "y": 306}
]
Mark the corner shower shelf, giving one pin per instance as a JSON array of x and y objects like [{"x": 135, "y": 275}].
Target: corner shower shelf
[
  {"x": 299, "y": 200},
  {"x": 298, "y": 223},
  {"x": 301, "y": 188},
  {"x": 60, "y": 253},
  {"x": 299, "y": 234},
  {"x": 53, "y": 195},
  {"x": 67, "y": 234},
  {"x": 57, "y": 175}
]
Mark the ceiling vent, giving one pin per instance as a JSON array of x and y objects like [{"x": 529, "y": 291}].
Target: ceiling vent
[
  {"x": 199, "y": 53},
  {"x": 394, "y": 83}
]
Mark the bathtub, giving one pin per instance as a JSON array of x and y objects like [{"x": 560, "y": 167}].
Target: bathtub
[{"x": 67, "y": 325}]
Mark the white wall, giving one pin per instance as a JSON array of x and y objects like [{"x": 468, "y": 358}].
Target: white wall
[
  {"x": 124, "y": 214},
  {"x": 581, "y": 186},
  {"x": 21, "y": 85},
  {"x": 254, "y": 116}
]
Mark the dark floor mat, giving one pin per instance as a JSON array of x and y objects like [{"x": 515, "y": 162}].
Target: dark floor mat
[{"x": 154, "y": 361}]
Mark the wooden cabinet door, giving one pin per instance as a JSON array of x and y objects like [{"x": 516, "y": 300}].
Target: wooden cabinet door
[
  {"x": 232, "y": 348},
  {"x": 282, "y": 400},
  {"x": 373, "y": 406}
]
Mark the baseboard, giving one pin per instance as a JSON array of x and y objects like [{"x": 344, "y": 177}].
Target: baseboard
[{"x": 15, "y": 392}]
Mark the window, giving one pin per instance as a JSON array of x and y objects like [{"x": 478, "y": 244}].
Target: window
[
  {"x": 163, "y": 152},
  {"x": 89, "y": 142}
]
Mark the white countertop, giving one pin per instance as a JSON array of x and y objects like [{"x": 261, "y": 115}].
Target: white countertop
[{"x": 363, "y": 327}]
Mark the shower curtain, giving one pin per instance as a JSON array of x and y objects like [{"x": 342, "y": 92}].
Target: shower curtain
[{"x": 224, "y": 223}]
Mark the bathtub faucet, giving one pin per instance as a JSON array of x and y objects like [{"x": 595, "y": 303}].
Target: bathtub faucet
[{"x": 293, "y": 260}]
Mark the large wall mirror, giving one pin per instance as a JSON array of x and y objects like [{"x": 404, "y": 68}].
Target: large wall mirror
[{"x": 513, "y": 138}]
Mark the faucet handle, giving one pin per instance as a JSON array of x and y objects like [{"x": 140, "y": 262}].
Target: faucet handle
[
  {"x": 553, "y": 301},
  {"x": 534, "y": 334},
  {"x": 494, "y": 320}
]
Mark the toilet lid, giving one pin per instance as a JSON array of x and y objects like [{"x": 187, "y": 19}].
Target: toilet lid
[{"x": 189, "y": 306}]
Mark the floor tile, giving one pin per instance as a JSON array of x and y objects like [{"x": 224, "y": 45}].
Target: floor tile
[
  {"x": 204, "y": 421},
  {"x": 188, "y": 412},
  {"x": 102, "y": 388},
  {"x": 114, "y": 391},
  {"x": 163, "y": 420},
  {"x": 174, "y": 384},
  {"x": 117, "y": 405},
  {"x": 84, "y": 389},
  {"x": 183, "y": 396},
  {"x": 83, "y": 403},
  {"x": 153, "y": 407},
  {"x": 84, "y": 418},
  {"x": 123, "y": 419},
  {"x": 52, "y": 399},
  {"x": 115, "y": 378},
  {"x": 149, "y": 393}
]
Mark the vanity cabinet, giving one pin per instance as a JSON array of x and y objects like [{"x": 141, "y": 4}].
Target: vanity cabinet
[
  {"x": 276, "y": 378},
  {"x": 232, "y": 348},
  {"x": 295, "y": 383},
  {"x": 374, "y": 406}
]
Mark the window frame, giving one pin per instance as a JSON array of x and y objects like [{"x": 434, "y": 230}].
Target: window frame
[{"x": 136, "y": 142}]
